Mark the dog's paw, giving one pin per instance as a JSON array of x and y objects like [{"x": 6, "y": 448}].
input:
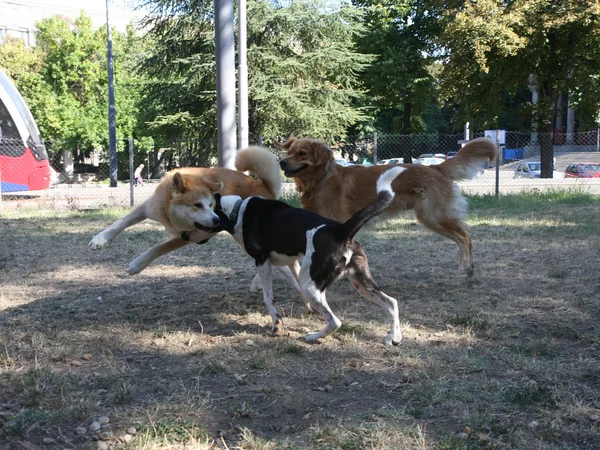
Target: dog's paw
[
  {"x": 470, "y": 270},
  {"x": 136, "y": 267},
  {"x": 312, "y": 337},
  {"x": 98, "y": 242},
  {"x": 277, "y": 326},
  {"x": 390, "y": 340}
]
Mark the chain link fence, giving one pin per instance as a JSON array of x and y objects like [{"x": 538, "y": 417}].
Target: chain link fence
[{"x": 68, "y": 175}]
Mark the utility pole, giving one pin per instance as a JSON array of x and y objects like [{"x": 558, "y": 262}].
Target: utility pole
[
  {"x": 242, "y": 76},
  {"x": 112, "y": 121},
  {"x": 225, "y": 56}
]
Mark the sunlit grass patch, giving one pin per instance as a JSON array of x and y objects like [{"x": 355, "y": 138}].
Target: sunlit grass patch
[
  {"x": 532, "y": 200},
  {"x": 171, "y": 432}
]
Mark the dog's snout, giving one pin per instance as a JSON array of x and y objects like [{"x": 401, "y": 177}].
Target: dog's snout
[
  {"x": 216, "y": 221},
  {"x": 284, "y": 163}
]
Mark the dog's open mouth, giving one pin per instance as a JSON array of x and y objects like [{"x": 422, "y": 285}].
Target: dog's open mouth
[
  {"x": 208, "y": 229},
  {"x": 291, "y": 173}
]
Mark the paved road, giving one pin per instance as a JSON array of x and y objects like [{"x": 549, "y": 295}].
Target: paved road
[{"x": 486, "y": 184}]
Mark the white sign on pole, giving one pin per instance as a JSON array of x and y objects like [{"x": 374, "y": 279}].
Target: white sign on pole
[{"x": 491, "y": 134}]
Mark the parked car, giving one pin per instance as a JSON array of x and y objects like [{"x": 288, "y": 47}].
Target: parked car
[
  {"x": 429, "y": 161},
  {"x": 344, "y": 163},
  {"x": 451, "y": 155},
  {"x": 433, "y": 155},
  {"x": 532, "y": 169},
  {"x": 583, "y": 170},
  {"x": 390, "y": 161},
  {"x": 528, "y": 170},
  {"x": 365, "y": 162}
]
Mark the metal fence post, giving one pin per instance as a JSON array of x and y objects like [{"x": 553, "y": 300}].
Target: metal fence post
[
  {"x": 375, "y": 148},
  {"x": 498, "y": 158},
  {"x": 131, "y": 195},
  {"x": 598, "y": 139}
]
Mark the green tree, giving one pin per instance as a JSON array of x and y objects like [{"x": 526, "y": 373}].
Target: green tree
[
  {"x": 493, "y": 48},
  {"x": 64, "y": 81},
  {"x": 75, "y": 68},
  {"x": 179, "y": 99},
  {"x": 400, "y": 81},
  {"x": 303, "y": 69},
  {"x": 24, "y": 66}
]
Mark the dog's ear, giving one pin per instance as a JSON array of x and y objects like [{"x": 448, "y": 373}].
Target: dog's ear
[
  {"x": 178, "y": 183},
  {"x": 322, "y": 153},
  {"x": 284, "y": 145},
  {"x": 214, "y": 187}
]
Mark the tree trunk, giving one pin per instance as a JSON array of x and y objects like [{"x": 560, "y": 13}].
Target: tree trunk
[
  {"x": 406, "y": 128},
  {"x": 546, "y": 150},
  {"x": 548, "y": 97},
  {"x": 254, "y": 123}
]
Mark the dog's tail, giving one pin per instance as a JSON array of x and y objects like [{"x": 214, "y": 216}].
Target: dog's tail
[
  {"x": 262, "y": 163},
  {"x": 470, "y": 160},
  {"x": 385, "y": 195}
]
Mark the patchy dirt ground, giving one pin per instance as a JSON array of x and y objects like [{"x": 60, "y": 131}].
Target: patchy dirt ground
[{"x": 180, "y": 356}]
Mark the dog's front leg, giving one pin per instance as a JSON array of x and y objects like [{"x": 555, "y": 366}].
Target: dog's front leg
[
  {"x": 266, "y": 277},
  {"x": 137, "y": 215},
  {"x": 287, "y": 272},
  {"x": 295, "y": 272},
  {"x": 144, "y": 260}
]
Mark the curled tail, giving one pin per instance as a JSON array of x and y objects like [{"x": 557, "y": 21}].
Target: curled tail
[
  {"x": 385, "y": 195},
  {"x": 262, "y": 163},
  {"x": 470, "y": 160}
]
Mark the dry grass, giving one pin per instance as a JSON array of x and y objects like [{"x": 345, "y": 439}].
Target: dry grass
[{"x": 181, "y": 352}]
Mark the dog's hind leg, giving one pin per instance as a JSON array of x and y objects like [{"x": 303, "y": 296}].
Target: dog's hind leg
[
  {"x": 137, "y": 215},
  {"x": 454, "y": 229},
  {"x": 266, "y": 277},
  {"x": 359, "y": 274},
  {"x": 445, "y": 218},
  {"x": 144, "y": 260}
]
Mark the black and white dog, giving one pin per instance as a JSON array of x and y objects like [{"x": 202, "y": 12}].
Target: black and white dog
[{"x": 276, "y": 234}]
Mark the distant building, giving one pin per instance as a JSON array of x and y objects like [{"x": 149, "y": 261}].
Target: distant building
[{"x": 18, "y": 17}]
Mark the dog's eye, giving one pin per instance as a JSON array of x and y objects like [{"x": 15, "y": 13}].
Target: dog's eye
[
  {"x": 199, "y": 205},
  {"x": 302, "y": 153}
]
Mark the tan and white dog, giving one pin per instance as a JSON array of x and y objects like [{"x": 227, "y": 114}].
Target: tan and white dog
[{"x": 182, "y": 202}]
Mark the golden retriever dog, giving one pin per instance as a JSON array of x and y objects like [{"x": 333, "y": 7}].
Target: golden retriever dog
[
  {"x": 338, "y": 192},
  {"x": 182, "y": 202}
]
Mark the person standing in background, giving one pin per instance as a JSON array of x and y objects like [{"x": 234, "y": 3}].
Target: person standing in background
[{"x": 138, "y": 175}]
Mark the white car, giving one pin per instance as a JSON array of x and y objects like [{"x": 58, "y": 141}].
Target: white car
[
  {"x": 429, "y": 161},
  {"x": 533, "y": 169},
  {"x": 390, "y": 161},
  {"x": 433, "y": 155},
  {"x": 343, "y": 162}
]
